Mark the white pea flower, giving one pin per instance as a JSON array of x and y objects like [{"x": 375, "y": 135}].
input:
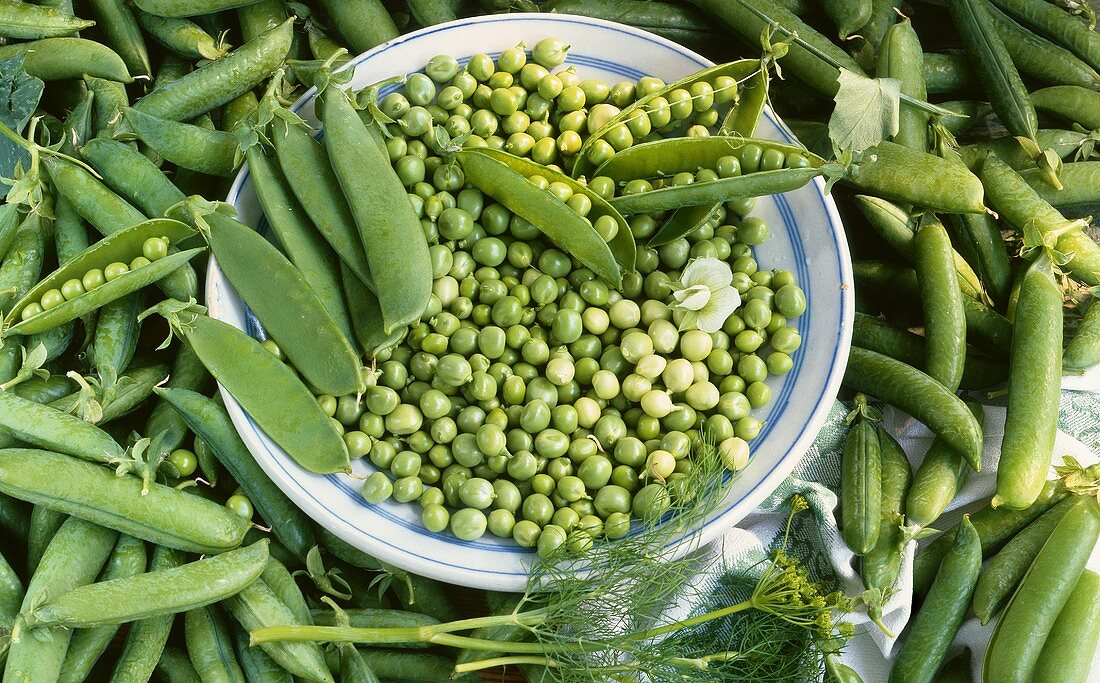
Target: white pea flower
[{"x": 706, "y": 295}]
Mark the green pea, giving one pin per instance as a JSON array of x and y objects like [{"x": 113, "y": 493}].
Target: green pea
[
  {"x": 611, "y": 499},
  {"x": 468, "y": 524},
  {"x": 407, "y": 489},
  {"x": 779, "y": 363},
  {"x": 748, "y": 428},
  {"x": 790, "y": 300},
  {"x": 376, "y": 488},
  {"x": 772, "y": 159},
  {"x": 435, "y": 518},
  {"x": 71, "y": 289},
  {"x": 786, "y": 340},
  {"x": 155, "y": 248}
]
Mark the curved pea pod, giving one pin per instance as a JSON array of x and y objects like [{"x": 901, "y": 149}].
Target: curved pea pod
[
  {"x": 116, "y": 335},
  {"x": 252, "y": 375},
  {"x": 209, "y": 645},
  {"x": 1080, "y": 193},
  {"x": 1083, "y": 350},
  {"x": 366, "y": 315},
  {"x": 184, "y": 37},
  {"x": 1038, "y": 57},
  {"x": 1026, "y": 624},
  {"x": 74, "y": 558},
  {"x": 123, "y": 246},
  {"x": 11, "y": 596},
  {"x": 943, "y": 609},
  {"x": 901, "y": 57},
  {"x": 724, "y": 189},
  {"x": 895, "y": 172},
  {"x": 286, "y": 306},
  {"x": 1068, "y": 651},
  {"x": 938, "y": 479},
  {"x": 1005, "y": 569},
  {"x": 386, "y": 221},
  {"x": 87, "y": 645},
  {"x": 1034, "y": 388},
  {"x": 665, "y": 158},
  {"x": 282, "y": 584},
  {"x": 1020, "y": 205},
  {"x": 916, "y": 393},
  {"x": 146, "y": 639},
  {"x": 861, "y": 484},
  {"x": 257, "y": 666},
  {"x": 213, "y": 152},
  {"x": 163, "y": 515},
  {"x": 1057, "y": 25},
  {"x": 63, "y": 59},
  {"x": 739, "y": 70},
  {"x": 50, "y": 428},
  {"x": 504, "y": 178},
  {"x": 1008, "y": 149},
  {"x": 31, "y": 22},
  {"x": 261, "y": 16},
  {"x": 881, "y": 566},
  {"x": 43, "y": 527},
  {"x": 191, "y": 8},
  {"x": 122, "y": 33},
  {"x": 132, "y": 174},
  {"x": 220, "y": 81},
  {"x": 256, "y": 607}
]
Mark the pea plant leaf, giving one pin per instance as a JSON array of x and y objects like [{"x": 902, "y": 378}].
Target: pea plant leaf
[
  {"x": 866, "y": 111},
  {"x": 19, "y": 96}
]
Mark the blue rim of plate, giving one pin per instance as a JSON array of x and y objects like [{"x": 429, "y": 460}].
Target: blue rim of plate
[{"x": 708, "y": 529}]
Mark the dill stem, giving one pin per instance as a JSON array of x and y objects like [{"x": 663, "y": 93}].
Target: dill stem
[
  {"x": 502, "y": 661},
  {"x": 693, "y": 621}
]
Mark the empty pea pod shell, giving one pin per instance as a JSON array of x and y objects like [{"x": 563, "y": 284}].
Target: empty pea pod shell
[
  {"x": 122, "y": 246},
  {"x": 566, "y": 228},
  {"x": 162, "y": 515},
  {"x": 213, "y": 152},
  {"x": 665, "y": 158},
  {"x": 253, "y": 375}
]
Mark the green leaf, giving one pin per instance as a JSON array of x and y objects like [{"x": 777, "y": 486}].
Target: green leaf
[
  {"x": 866, "y": 111},
  {"x": 19, "y": 96}
]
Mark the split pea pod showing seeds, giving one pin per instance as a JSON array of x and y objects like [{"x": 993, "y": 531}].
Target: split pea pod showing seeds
[
  {"x": 675, "y": 155},
  {"x": 93, "y": 267},
  {"x": 163, "y": 515}
]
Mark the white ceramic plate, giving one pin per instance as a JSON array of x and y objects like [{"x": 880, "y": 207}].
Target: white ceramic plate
[{"x": 806, "y": 237}]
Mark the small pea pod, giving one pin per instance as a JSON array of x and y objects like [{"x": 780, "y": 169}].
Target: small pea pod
[
  {"x": 23, "y": 264},
  {"x": 938, "y": 479},
  {"x": 175, "y": 667},
  {"x": 881, "y": 566},
  {"x": 861, "y": 481},
  {"x": 31, "y": 22},
  {"x": 901, "y": 57},
  {"x": 188, "y": 374},
  {"x": 50, "y": 428},
  {"x": 116, "y": 335},
  {"x": 87, "y": 645},
  {"x": 1034, "y": 383},
  {"x": 286, "y": 305},
  {"x": 260, "y": 16},
  {"x": 305, "y": 165},
  {"x": 1005, "y": 569},
  {"x": 184, "y": 37},
  {"x": 1068, "y": 651},
  {"x": 210, "y": 647},
  {"x": 146, "y": 639},
  {"x": 220, "y": 81},
  {"x": 256, "y": 665},
  {"x": 1083, "y": 350},
  {"x": 386, "y": 221},
  {"x": 891, "y": 171},
  {"x": 919, "y": 395},
  {"x": 366, "y": 315},
  {"x": 552, "y": 217},
  {"x": 74, "y": 558},
  {"x": 1039, "y": 58},
  {"x": 256, "y": 607},
  {"x": 64, "y": 59},
  {"x": 43, "y": 527},
  {"x": 301, "y": 243},
  {"x": 944, "y": 320},
  {"x": 1074, "y": 103},
  {"x": 363, "y": 23},
  {"x": 213, "y": 152},
  {"x": 943, "y": 609},
  {"x": 162, "y": 515},
  {"x": 252, "y": 375},
  {"x": 122, "y": 33},
  {"x": 1025, "y": 626},
  {"x": 1057, "y": 25},
  {"x": 132, "y": 175}
]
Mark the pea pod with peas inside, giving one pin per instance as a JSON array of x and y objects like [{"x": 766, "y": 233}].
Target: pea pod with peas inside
[
  {"x": 1083, "y": 350},
  {"x": 61, "y": 59},
  {"x": 505, "y": 179},
  {"x": 106, "y": 271},
  {"x": 31, "y": 22},
  {"x": 891, "y": 171},
  {"x": 212, "y": 152},
  {"x": 861, "y": 483},
  {"x": 937, "y": 481},
  {"x": 1068, "y": 651}
]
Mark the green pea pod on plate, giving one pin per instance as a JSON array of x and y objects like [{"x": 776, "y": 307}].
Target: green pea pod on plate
[
  {"x": 505, "y": 179},
  {"x": 121, "y": 247}
]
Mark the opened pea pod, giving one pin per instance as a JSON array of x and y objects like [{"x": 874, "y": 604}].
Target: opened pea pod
[{"x": 117, "y": 265}]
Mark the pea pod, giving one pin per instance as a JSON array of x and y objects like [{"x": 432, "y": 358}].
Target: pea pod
[
  {"x": 860, "y": 481},
  {"x": 63, "y": 59},
  {"x": 219, "y": 82},
  {"x": 110, "y": 99},
  {"x": 45, "y": 390},
  {"x": 11, "y": 595},
  {"x": 1057, "y": 25},
  {"x": 174, "y": 8},
  {"x": 301, "y": 243},
  {"x": 87, "y": 645},
  {"x": 213, "y": 152},
  {"x": 175, "y": 667},
  {"x": 938, "y": 479},
  {"x": 50, "y": 428},
  {"x": 979, "y": 238},
  {"x": 116, "y": 335},
  {"x": 282, "y": 584},
  {"x": 100, "y": 255},
  {"x": 252, "y": 375},
  {"x": 739, "y": 70},
  {"x": 1064, "y": 143},
  {"x": 127, "y": 395},
  {"x": 880, "y": 567},
  {"x": 622, "y": 245},
  {"x": 256, "y": 607},
  {"x": 23, "y": 264},
  {"x": 257, "y": 666},
  {"x": 184, "y": 37},
  {"x": 10, "y": 220},
  {"x": 848, "y": 15},
  {"x": 286, "y": 306},
  {"x": 1025, "y": 626},
  {"x": 1083, "y": 350},
  {"x": 363, "y": 23},
  {"x": 305, "y": 165},
  {"x": 1005, "y": 569},
  {"x": 163, "y": 515},
  {"x": 43, "y": 527},
  {"x": 943, "y": 609},
  {"x": 188, "y": 374},
  {"x": 1039, "y": 58},
  {"x": 366, "y": 315},
  {"x": 665, "y": 158},
  {"x": 146, "y": 640},
  {"x": 122, "y": 33},
  {"x": 947, "y": 73},
  {"x": 891, "y": 171},
  {"x": 901, "y": 57},
  {"x": 210, "y": 647},
  {"x": 1068, "y": 651},
  {"x": 1079, "y": 195},
  {"x": 31, "y": 22},
  {"x": 133, "y": 175},
  {"x": 429, "y": 668},
  {"x": 1070, "y": 102},
  {"x": 944, "y": 320},
  {"x": 1034, "y": 388},
  {"x": 260, "y": 16},
  {"x": 919, "y": 395}
]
